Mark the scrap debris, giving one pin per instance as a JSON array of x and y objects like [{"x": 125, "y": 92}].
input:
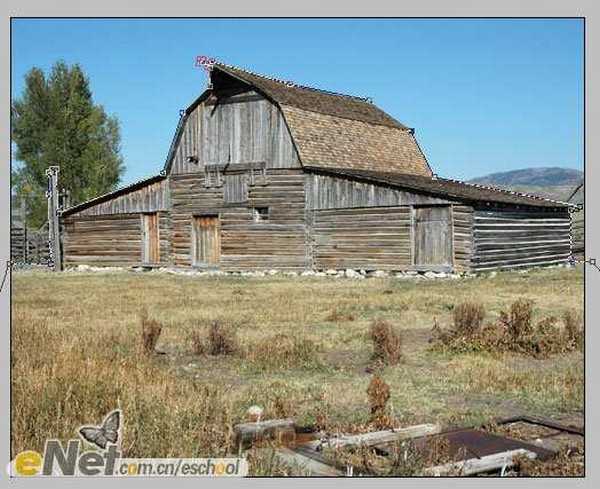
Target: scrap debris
[{"x": 503, "y": 447}]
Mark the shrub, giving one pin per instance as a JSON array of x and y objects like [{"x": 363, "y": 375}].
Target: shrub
[
  {"x": 573, "y": 329},
  {"x": 151, "y": 330},
  {"x": 514, "y": 332},
  {"x": 198, "y": 343},
  {"x": 518, "y": 320},
  {"x": 468, "y": 317},
  {"x": 220, "y": 339},
  {"x": 387, "y": 343},
  {"x": 379, "y": 395}
]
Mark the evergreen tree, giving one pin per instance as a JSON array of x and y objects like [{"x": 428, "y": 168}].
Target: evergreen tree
[{"x": 55, "y": 122}]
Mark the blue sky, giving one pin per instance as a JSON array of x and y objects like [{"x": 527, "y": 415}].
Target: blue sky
[{"x": 483, "y": 95}]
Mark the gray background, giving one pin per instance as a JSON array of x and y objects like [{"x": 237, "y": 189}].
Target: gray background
[{"x": 312, "y": 8}]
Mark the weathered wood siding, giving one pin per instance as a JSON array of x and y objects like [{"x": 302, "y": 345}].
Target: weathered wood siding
[
  {"x": 243, "y": 128},
  {"x": 432, "y": 236},
  {"x": 375, "y": 238},
  {"x": 110, "y": 240},
  {"x": 462, "y": 224},
  {"x": 277, "y": 243},
  {"x": 578, "y": 234},
  {"x": 519, "y": 238},
  {"x": 153, "y": 197},
  {"x": 327, "y": 192}
]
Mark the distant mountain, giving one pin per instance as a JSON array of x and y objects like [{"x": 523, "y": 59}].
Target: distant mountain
[
  {"x": 551, "y": 182},
  {"x": 544, "y": 177}
]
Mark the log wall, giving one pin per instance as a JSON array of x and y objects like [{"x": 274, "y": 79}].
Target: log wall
[
  {"x": 110, "y": 240},
  {"x": 462, "y": 223},
  {"x": 376, "y": 238},
  {"x": 578, "y": 234},
  {"x": 519, "y": 238},
  {"x": 279, "y": 242}
]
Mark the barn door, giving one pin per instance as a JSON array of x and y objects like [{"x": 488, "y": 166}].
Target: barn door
[
  {"x": 206, "y": 240},
  {"x": 432, "y": 236},
  {"x": 150, "y": 241}
]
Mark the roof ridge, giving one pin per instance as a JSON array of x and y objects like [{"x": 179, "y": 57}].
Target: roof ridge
[
  {"x": 292, "y": 84},
  {"x": 502, "y": 190}
]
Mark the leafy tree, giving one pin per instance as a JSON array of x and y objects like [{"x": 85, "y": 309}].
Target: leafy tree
[{"x": 56, "y": 122}]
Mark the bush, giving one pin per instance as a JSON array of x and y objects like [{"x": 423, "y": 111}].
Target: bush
[
  {"x": 468, "y": 317},
  {"x": 514, "y": 332},
  {"x": 387, "y": 343},
  {"x": 518, "y": 320},
  {"x": 198, "y": 343},
  {"x": 151, "y": 330},
  {"x": 573, "y": 329},
  {"x": 221, "y": 339},
  {"x": 379, "y": 395}
]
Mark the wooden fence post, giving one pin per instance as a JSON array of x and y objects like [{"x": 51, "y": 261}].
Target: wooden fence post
[{"x": 53, "y": 217}]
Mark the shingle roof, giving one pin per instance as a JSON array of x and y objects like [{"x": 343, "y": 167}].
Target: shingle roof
[
  {"x": 452, "y": 189},
  {"x": 313, "y": 99},
  {"x": 338, "y": 131}
]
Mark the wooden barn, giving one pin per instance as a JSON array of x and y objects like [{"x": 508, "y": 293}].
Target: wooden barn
[{"x": 266, "y": 174}]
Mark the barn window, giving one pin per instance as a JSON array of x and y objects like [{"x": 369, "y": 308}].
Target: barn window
[
  {"x": 235, "y": 190},
  {"x": 260, "y": 214},
  {"x": 212, "y": 176}
]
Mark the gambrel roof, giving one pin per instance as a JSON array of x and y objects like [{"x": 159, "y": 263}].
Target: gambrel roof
[{"x": 333, "y": 130}]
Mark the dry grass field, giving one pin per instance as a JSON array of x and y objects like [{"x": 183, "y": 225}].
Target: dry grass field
[{"x": 300, "y": 348}]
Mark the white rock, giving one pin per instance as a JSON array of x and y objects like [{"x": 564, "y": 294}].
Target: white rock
[
  {"x": 307, "y": 273},
  {"x": 441, "y": 275},
  {"x": 320, "y": 274},
  {"x": 430, "y": 275},
  {"x": 331, "y": 271},
  {"x": 352, "y": 273},
  {"x": 492, "y": 274},
  {"x": 273, "y": 272},
  {"x": 380, "y": 274}
]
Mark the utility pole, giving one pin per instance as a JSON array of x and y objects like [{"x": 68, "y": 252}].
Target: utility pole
[{"x": 53, "y": 223}]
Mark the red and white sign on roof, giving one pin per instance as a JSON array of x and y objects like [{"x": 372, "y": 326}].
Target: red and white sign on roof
[{"x": 205, "y": 62}]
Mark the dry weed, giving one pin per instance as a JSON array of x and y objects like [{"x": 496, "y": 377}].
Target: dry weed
[
  {"x": 378, "y": 393},
  {"x": 387, "y": 343},
  {"x": 468, "y": 318},
  {"x": 515, "y": 331},
  {"x": 151, "y": 330},
  {"x": 220, "y": 339}
]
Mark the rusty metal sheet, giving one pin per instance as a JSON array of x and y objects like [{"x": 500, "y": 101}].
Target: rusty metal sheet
[
  {"x": 548, "y": 423},
  {"x": 478, "y": 444}
]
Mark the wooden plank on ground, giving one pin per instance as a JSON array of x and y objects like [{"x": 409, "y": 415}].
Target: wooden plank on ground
[
  {"x": 474, "y": 466},
  {"x": 376, "y": 437},
  {"x": 306, "y": 465}
]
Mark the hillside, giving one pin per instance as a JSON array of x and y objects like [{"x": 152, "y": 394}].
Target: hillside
[{"x": 550, "y": 182}]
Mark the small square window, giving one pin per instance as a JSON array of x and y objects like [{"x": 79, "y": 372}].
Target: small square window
[{"x": 260, "y": 214}]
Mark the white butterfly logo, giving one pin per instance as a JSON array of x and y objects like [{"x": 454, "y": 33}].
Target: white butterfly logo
[{"x": 108, "y": 431}]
